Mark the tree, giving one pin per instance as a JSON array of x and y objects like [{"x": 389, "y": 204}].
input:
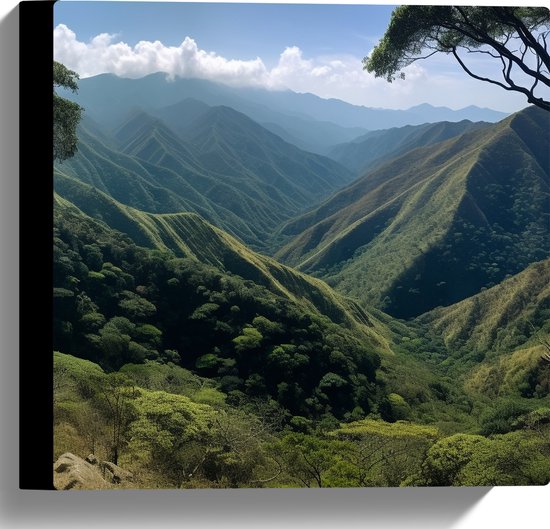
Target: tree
[
  {"x": 306, "y": 458},
  {"x": 116, "y": 394},
  {"x": 514, "y": 36},
  {"x": 475, "y": 461},
  {"x": 66, "y": 114},
  {"x": 165, "y": 430}
]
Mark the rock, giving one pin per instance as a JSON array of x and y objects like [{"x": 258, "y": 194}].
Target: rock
[
  {"x": 115, "y": 474},
  {"x": 72, "y": 472},
  {"x": 92, "y": 459}
]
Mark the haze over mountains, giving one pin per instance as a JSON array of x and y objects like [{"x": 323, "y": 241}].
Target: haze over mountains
[
  {"x": 226, "y": 167},
  {"x": 312, "y": 123}
]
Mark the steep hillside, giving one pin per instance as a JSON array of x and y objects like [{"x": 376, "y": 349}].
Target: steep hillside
[
  {"x": 498, "y": 319},
  {"x": 378, "y": 146},
  {"x": 188, "y": 235},
  {"x": 232, "y": 144},
  {"x": 141, "y": 184},
  {"x": 230, "y": 170},
  {"x": 259, "y": 328},
  {"x": 496, "y": 339},
  {"x": 437, "y": 224}
]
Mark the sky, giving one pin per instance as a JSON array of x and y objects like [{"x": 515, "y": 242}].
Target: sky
[{"x": 305, "y": 48}]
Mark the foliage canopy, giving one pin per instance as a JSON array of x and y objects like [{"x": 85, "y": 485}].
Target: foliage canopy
[
  {"x": 515, "y": 37},
  {"x": 66, "y": 114}
]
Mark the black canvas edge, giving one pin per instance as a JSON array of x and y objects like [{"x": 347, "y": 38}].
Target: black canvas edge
[{"x": 36, "y": 249}]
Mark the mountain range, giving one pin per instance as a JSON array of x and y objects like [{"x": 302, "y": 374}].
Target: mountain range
[
  {"x": 377, "y": 146},
  {"x": 227, "y": 168},
  {"x": 308, "y": 121},
  {"x": 436, "y": 224},
  {"x": 402, "y": 273}
]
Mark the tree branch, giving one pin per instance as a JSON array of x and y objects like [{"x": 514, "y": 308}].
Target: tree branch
[
  {"x": 512, "y": 87},
  {"x": 483, "y": 38}
]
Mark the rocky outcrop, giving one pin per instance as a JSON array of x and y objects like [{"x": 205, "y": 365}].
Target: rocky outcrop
[
  {"x": 73, "y": 473},
  {"x": 92, "y": 459},
  {"x": 115, "y": 474}
]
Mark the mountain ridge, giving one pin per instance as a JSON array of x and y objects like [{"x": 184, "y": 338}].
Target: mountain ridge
[
  {"x": 469, "y": 188},
  {"x": 315, "y": 122},
  {"x": 230, "y": 169},
  {"x": 188, "y": 235},
  {"x": 375, "y": 147}
]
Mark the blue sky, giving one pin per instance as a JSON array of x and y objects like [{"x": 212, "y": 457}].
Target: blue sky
[
  {"x": 241, "y": 31},
  {"x": 307, "y": 48}
]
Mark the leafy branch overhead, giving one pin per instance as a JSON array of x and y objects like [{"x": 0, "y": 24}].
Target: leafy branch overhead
[
  {"x": 66, "y": 114},
  {"x": 514, "y": 37}
]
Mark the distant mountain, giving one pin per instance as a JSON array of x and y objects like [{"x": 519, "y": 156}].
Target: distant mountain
[
  {"x": 315, "y": 123},
  {"x": 180, "y": 116},
  {"x": 229, "y": 142},
  {"x": 433, "y": 114},
  {"x": 348, "y": 115},
  {"x": 229, "y": 169},
  {"x": 437, "y": 224},
  {"x": 108, "y": 99},
  {"x": 377, "y": 146}
]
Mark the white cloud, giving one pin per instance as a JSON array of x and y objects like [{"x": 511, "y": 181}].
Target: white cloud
[
  {"x": 103, "y": 55},
  {"x": 339, "y": 76}
]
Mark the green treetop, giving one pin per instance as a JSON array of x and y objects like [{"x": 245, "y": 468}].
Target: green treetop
[
  {"x": 514, "y": 37},
  {"x": 66, "y": 114}
]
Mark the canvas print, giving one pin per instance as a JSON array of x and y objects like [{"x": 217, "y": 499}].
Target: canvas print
[{"x": 300, "y": 245}]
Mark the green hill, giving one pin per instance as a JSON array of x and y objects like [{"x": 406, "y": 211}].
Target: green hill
[
  {"x": 230, "y": 170},
  {"x": 213, "y": 306},
  {"x": 437, "y": 224},
  {"x": 498, "y": 319},
  {"x": 188, "y": 235},
  {"x": 378, "y": 146},
  {"x": 496, "y": 338},
  {"x": 140, "y": 184}
]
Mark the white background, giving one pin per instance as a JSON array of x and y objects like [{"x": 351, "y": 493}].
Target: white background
[{"x": 502, "y": 508}]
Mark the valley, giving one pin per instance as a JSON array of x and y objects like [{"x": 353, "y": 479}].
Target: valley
[{"x": 283, "y": 290}]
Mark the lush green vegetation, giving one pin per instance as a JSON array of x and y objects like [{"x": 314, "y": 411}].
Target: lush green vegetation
[
  {"x": 193, "y": 361},
  {"x": 469, "y": 211},
  {"x": 379, "y": 146},
  {"x": 227, "y": 168},
  {"x": 175, "y": 429},
  {"x": 496, "y": 339},
  {"x": 67, "y": 114},
  {"x": 220, "y": 381},
  {"x": 115, "y": 302}
]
